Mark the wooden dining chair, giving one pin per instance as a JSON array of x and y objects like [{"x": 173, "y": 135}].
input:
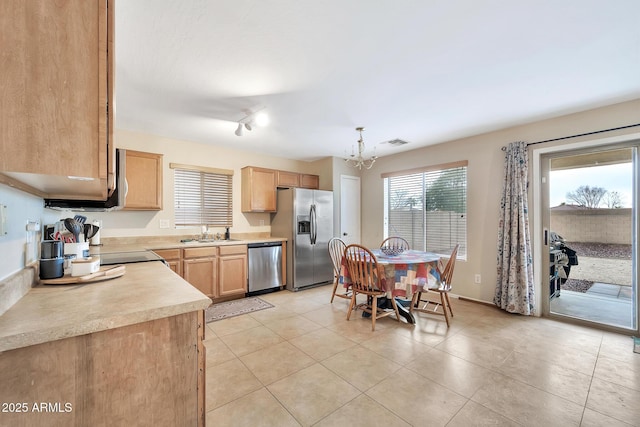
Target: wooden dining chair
[
  {"x": 395, "y": 242},
  {"x": 336, "y": 252},
  {"x": 365, "y": 278},
  {"x": 427, "y": 305}
]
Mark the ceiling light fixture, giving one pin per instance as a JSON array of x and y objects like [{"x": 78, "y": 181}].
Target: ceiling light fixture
[
  {"x": 359, "y": 161},
  {"x": 251, "y": 119},
  {"x": 262, "y": 119}
]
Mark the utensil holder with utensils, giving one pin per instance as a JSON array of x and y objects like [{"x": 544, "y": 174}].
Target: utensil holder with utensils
[{"x": 80, "y": 250}]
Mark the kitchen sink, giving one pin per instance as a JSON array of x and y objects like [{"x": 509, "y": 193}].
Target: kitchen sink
[{"x": 192, "y": 241}]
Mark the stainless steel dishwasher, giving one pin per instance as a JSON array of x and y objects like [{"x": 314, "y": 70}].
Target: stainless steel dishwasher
[{"x": 265, "y": 267}]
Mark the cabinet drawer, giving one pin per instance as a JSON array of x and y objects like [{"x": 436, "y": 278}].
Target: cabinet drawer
[
  {"x": 200, "y": 252},
  {"x": 168, "y": 254},
  {"x": 232, "y": 250}
]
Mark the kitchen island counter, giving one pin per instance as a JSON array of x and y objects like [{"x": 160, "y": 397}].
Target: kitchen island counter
[
  {"x": 147, "y": 291},
  {"x": 124, "y": 351}
]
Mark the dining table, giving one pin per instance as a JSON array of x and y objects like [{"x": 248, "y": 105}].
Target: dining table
[{"x": 404, "y": 273}]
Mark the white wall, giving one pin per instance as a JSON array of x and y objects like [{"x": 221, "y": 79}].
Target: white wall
[
  {"x": 485, "y": 184},
  {"x": 485, "y": 177},
  {"x": 23, "y": 207},
  {"x": 146, "y": 223},
  {"x": 20, "y": 209}
]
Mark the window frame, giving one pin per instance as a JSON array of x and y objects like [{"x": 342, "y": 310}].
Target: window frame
[
  {"x": 458, "y": 223},
  {"x": 215, "y": 187}
]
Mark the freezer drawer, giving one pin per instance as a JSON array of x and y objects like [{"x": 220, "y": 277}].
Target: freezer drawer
[{"x": 265, "y": 266}]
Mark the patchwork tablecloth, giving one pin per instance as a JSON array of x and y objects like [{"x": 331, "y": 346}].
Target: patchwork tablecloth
[{"x": 405, "y": 273}]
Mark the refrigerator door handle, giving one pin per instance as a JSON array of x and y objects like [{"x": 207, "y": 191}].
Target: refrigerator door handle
[
  {"x": 311, "y": 224},
  {"x": 314, "y": 225}
]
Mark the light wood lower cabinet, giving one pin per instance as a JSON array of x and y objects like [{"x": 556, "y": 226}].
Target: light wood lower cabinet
[
  {"x": 150, "y": 373},
  {"x": 232, "y": 279},
  {"x": 217, "y": 271},
  {"x": 200, "y": 268},
  {"x": 173, "y": 257}
]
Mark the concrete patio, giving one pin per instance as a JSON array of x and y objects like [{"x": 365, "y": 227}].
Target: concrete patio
[
  {"x": 608, "y": 301},
  {"x": 603, "y": 303}
]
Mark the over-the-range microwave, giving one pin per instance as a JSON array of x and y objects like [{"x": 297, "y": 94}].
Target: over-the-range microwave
[{"x": 113, "y": 203}]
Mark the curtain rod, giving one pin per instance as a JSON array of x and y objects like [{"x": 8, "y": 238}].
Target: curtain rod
[{"x": 579, "y": 135}]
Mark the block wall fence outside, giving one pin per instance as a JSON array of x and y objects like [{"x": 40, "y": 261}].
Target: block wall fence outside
[
  {"x": 444, "y": 229},
  {"x": 593, "y": 225}
]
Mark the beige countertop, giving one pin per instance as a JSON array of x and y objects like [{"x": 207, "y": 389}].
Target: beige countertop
[
  {"x": 139, "y": 244},
  {"x": 147, "y": 291}
]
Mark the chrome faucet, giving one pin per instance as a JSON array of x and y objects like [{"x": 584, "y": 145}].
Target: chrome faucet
[{"x": 205, "y": 233}]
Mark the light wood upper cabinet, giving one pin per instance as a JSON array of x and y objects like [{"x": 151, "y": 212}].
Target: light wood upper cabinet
[
  {"x": 309, "y": 181},
  {"x": 258, "y": 189},
  {"x": 288, "y": 179},
  {"x": 144, "y": 181},
  {"x": 57, "y": 80},
  {"x": 297, "y": 180},
  {"x": 259, "y": 186}
]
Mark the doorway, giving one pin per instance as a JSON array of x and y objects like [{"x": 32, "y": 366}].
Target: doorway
[
  {"x": 589, "y": 244},
  {"x": 350, "y": 209}
]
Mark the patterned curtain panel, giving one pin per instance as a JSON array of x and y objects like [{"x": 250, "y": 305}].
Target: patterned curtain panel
[{"x": 514, "y": 288}]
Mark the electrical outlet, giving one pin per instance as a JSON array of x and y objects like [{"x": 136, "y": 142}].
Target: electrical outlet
[
  {"x": 261, "y": 222},
  {"x": 164, "y": 223},
  {"x": 33, "y": 225},
  {"x": 477, "y": 279}
]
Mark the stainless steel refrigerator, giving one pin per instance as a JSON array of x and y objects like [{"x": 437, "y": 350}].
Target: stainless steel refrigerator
[{"x": 305, "y": 218}]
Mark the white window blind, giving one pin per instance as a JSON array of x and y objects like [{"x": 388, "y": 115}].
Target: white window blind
[
  {"x": 203, "y": 197},
  {"x": 429, "y": 208}
]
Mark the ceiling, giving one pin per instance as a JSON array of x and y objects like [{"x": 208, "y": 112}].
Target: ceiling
[{"x": 423, "y": 71}]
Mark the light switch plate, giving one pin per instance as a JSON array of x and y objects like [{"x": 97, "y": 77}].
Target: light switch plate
[
  {"x": 3, "y": 220},
  {"x": 164, "y": 223}
]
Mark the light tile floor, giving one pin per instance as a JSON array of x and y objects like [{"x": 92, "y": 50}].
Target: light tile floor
[{"x": 303, "y": 363}]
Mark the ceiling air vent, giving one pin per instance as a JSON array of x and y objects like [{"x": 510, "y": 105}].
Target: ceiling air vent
[{"x": 397, "y": 142}]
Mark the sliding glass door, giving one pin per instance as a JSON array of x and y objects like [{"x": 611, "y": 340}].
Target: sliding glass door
[{"x": 590, "y": 228}]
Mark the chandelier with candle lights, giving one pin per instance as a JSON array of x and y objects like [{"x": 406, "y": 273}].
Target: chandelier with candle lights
[{"x": 360, "y": 161}]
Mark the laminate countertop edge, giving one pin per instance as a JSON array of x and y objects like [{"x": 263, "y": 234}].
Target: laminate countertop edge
[
  {"x": 147, "y": 291},
  {"x": 128, "y": 245}
]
